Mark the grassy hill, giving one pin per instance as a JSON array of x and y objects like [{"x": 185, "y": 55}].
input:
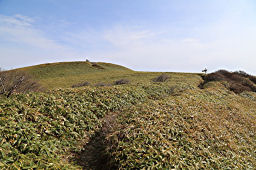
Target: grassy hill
[
  {"x": 143, "y": 124},
  {"x": 66, "y": 74}
]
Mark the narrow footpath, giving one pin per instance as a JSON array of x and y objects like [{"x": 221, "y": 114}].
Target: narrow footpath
[{"x": 94, "y": 156}]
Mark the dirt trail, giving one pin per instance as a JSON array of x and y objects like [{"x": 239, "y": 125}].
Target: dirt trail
[{"x": 94, "y": 154}]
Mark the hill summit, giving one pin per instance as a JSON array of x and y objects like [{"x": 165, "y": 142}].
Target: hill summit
[{"x": 65, "y": 74}]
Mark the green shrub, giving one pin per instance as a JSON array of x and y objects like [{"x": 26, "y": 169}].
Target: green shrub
[{"x": 37, "y": 129}]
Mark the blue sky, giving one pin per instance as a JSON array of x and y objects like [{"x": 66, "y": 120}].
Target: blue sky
[{"x": 148, "y": 35}]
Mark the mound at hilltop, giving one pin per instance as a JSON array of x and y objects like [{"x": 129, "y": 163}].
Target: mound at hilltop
[
  {"x": 235, "y": 81},
  {"x": 67, "y": 74},
  {"x": 75, "y": 74},
  {"x": 130, "y": 122}
]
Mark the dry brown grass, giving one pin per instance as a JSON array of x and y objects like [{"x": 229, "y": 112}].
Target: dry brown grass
[{"x": 16, "y": 81}]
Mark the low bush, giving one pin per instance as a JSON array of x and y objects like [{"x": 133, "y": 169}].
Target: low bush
[
  {"x": 102, "y": 84},
  {"x": 122, "y": 81},
  {"x": 37, "y": 129},
  {"x": 161, "y": 78},
  {"x": 246, "y": 75},
  {"x": 238, "y": 81},
  {"x": 242, "y": 73},
  {"x": 81, "y": 84}
]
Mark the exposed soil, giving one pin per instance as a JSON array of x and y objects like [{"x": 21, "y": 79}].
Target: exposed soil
[{"x": 94, "y": 155}]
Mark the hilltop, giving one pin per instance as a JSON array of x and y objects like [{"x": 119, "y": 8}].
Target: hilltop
[
  {"x": 65, "y": 74},
  {"x": 155, "y": 120}
]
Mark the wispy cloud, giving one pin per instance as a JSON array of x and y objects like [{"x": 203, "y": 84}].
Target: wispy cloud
[
  {"x": 20, "y": 41},
  {"x": 121, "y": 36},
  {"x": 149, "y": 50},
  {"x": 19, "y": 29}
]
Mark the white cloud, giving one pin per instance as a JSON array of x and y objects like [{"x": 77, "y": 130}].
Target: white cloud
[
  {"x": 19, "y": 29},
  {"x": 121, "y": 36},
  {"x": 17, "y": 20},
  {"x": 22, "y": 44}
]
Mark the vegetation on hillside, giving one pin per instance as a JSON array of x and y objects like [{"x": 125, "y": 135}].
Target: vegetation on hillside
[
  {"x": 68, "y": 74},
  {"x": 194, "y": 130},
  {"x": 129, "y": 121},
  {"x": 37, "y": 129}
]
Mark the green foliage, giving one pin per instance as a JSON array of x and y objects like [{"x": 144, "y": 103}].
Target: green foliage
[{"x": 36, "y": 128}]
